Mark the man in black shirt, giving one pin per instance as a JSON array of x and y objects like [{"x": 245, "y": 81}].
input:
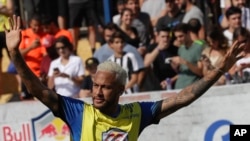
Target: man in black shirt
[{"x": 158, "y": 55}]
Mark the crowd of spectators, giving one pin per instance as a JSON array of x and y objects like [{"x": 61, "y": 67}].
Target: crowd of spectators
[{"x": 162, "y": 44}]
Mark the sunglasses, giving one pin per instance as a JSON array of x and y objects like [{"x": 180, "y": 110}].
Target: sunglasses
[{"x": 62, "y": 47}]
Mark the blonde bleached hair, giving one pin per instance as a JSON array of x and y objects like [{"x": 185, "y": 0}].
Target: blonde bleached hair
[{"x": 109, "y": 66}]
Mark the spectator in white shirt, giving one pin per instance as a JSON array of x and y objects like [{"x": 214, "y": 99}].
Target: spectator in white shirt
[
  {"x": 66, "y": 73},
  {"x": 233, "y": 15}
]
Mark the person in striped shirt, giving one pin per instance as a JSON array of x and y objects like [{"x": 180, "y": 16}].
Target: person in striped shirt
[{"x": 126, "y": 60}]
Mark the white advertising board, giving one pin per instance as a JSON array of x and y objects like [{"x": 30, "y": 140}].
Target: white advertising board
[{"x": 207, "y": 119}]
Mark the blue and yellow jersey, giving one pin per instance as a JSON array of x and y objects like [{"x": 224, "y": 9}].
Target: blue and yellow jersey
[{"x": 88, "y": 124}]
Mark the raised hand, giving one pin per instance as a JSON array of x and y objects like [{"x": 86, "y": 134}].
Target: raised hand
[
  {"x": 13, "y": 35},
  {"x": 235, "y": 53}
]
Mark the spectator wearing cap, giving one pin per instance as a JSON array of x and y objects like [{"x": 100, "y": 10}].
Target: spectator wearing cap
[{"x": 91, "y": 67}]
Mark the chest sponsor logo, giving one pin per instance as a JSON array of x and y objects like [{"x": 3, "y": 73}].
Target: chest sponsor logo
[{"x": 115, "y": 134}]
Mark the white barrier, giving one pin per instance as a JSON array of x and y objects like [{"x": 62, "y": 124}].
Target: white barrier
[{"x": 207, "y": 119}]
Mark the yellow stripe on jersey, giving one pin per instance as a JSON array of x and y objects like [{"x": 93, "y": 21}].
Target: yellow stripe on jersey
[{"x": 100, "y": 127}]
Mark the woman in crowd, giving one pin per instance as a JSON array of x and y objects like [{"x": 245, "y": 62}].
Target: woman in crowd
[
  {"x": 241, "y": 70},
  {"x": 213, "y": 54},
  {"x": 129, "y": 33},
  {"x": 66, "y": 73}
]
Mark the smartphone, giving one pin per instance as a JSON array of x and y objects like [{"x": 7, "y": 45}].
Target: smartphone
[
  {"x": 203, "y": 56},
  {"x": 56, "y": 69},
  {"x": 168, "y": 60}
]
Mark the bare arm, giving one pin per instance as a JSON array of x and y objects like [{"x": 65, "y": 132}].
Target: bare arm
[
  {"x": 194, "y": 91},
  {"x": 33, "y": 84},
  {"x": 196, "y": 69},
  {"x": 34, "y": 45},
  {"x": 51, "y": 84},
  {"x": 132, "y": 81},
  {"x": 202, "y": 33},
  {"x": 150, "y": 57}
]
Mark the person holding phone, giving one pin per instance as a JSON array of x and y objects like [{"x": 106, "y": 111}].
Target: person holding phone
[
  {"x": 32, "y": 49},
  {"x": 66, "y": 73},
  {"x": 213, "y": 54}
]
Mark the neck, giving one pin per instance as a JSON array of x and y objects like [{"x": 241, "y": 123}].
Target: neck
[
  {"x": 194, "y": 37},
  {"x": 188, "y": 43},
  {"x": 231, "y": 29},
  {"x": 111, "y": 111},
  {"x": 189, "y": 6},
  {"x": 125, "y": 27},
  {"x": 118, "y": 55},
  {"x": 172, "y": 13},
  {"x": 65, "y": 58}
]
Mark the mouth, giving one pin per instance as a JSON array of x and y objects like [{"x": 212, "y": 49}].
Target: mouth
[{"x": 98, "y": 100}]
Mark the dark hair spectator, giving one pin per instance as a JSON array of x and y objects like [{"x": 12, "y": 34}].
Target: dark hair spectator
[
  {"x": 36, "y": 17},
  {"x": 111, "y": 26},
  {"x": 232, "y": 10},
  {"x": 182, "y": 27},
  {"x": 65, "y": 41},
  {"x": 241, "y": 31},
  {"x": 166, "y": 29},
  {"x": 215, "y": 33},
  {"x": 115, "y": 35},
  {"x": 194, "y": 25},
  {"x": 47, "y": 20}
]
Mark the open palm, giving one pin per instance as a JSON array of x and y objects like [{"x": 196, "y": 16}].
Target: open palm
[{"x": 13, "y": 35}]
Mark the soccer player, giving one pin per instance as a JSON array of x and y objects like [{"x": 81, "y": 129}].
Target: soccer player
[{"x": 106, "y": 119}]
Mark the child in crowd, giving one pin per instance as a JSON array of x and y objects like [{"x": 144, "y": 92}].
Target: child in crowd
[{"x": 126, "y": 59}]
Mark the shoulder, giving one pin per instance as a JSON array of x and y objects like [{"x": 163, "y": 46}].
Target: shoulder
[
  {"x": 75, "y": 58},
  {"x": 130, "y": 54},
  {"x": 144, "y": 15},
  {"x": 129, "y": 48},
  {"x": 131, "y": 106},
  {"x": 196, "y": 10},
  {"x": 56, "y": 61},
  {"x": 27, "y": 32},
  {"x": 103, "y": 48}
]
